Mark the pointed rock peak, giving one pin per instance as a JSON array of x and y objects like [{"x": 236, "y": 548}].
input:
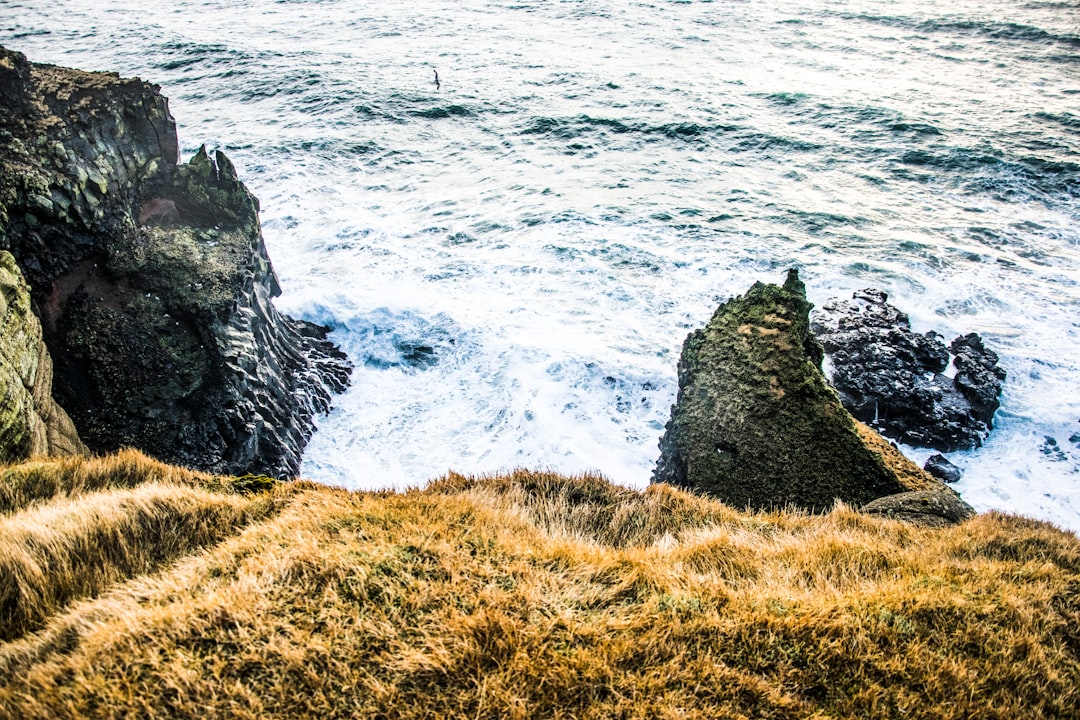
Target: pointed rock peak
[
  {"x": 793, "y": 283},
  {"x": 202, "y": 164},
  {"x": 756, "y": 424},
  {"x": 226, "y": 170}
]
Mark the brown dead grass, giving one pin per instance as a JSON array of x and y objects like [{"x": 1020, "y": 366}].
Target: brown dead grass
[
  {"x": 908, "y": 473},
  {"x": 530, "y": 595}
]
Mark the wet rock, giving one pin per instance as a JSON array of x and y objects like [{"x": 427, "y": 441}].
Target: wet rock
[
  {"x": 756, "y": 424},
  {"x": 1052, "y": 450},
  {"x": 152, "y": 280},
  {"x": 31, "y": 423},
  {"x": 940, "y": 467},
  {"x": 895, "y": 379},
  {"x": 929, "y": 508}
]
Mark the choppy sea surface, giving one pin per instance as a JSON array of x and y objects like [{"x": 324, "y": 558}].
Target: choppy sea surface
[{"x": 513, "y": 257}]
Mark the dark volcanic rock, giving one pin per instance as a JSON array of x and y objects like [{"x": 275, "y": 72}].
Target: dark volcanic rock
[
  {"x": 151, "y": 279},
  {"x": 894, "y": 379},
  {"x": 940, "y": 467},
  {"x": 755, "y": 423}
]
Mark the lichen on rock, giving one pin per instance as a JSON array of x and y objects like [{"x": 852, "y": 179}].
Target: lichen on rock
[
  {"x": 756, "y": 424},
  {"x": 31, "y": 423},
  {"x": 929, "y": 508}
]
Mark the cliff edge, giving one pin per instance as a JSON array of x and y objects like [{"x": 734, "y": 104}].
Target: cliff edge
[
  {"x": 151, "y": 279},
  {"x": 31, "y": 423}
]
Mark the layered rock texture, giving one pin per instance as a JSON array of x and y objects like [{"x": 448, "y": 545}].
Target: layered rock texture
[
  {"x": 756, "y": 425},
  {"x": 896, "y": 379},
  {"x": 31, "y": 423},
  {"x": 151, "y": 279}
]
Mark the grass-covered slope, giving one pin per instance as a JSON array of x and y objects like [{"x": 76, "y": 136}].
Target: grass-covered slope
[{"x": 129, "y": 588}]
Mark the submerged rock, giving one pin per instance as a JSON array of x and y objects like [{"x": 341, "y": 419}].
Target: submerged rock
[
  {"x": 895, "y": 379},
  {"x": 31, "y": 423},
  {"x": 756, "y": 424},
  {"x": 151, "y": 279}
]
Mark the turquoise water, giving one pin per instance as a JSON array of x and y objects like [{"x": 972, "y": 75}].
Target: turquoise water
[{"x": 514, "y": 257}]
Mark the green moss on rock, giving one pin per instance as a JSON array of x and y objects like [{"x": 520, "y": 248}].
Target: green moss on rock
[
  {"x": 757, "y": 425},
  {"x": 31, "y": 423}
]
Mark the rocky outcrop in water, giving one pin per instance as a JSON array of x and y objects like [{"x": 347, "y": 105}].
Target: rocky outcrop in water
[
  {"x": 756, "y": 424},
  {"x": 940, "y": 467},
  {"x": 151, "y": 279},
  {"x": 31, "y": 423},
  {"x": 894, "y": 379}
]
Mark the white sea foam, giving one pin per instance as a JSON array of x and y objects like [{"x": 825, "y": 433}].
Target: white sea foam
[{"x": 513, "y": 260}]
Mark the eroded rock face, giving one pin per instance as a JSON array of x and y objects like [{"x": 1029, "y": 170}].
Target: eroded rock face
[
  {"x": 31, "y": 423},
  {"x": 151, "y": 279},
  {"x": 894, "y": 379},
  {"x": 755, "y": 423}
]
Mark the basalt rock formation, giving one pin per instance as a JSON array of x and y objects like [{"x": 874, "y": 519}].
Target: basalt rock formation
[
  {"x": 31, "y": 423},
  {"x": 151, "y": 279},
  {"x": 894, "y": 379},
  {"x": 756, "y": 424}
]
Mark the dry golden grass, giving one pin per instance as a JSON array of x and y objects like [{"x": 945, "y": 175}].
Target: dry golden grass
[
  {"x": 530, "y": 595},
  {"x": 43, "y": 479}
]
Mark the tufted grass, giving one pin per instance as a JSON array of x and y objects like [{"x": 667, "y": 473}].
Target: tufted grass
[{"x": 530, "y": 595}]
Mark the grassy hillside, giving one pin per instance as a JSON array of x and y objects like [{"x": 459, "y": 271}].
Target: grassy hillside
[{"x": 129, "y": 588}]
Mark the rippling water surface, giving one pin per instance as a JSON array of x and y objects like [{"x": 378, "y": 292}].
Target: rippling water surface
[{"x": 513, "y": 258}]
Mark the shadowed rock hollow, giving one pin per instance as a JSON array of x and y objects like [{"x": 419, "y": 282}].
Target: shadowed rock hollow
[{"x": 756, "y": 424}]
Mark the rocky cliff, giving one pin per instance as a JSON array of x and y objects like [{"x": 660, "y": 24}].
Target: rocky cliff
[
  {"x": 31, "y": 423},
  {"x": 151, "y": 279},
  {"x": 755, "y": 423}
]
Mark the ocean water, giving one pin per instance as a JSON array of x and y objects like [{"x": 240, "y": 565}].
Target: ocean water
[{"x": 513, "y": 258}]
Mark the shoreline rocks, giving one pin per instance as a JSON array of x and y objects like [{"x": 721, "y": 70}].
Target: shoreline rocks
[
  {"x": 756, "y": 424},
  {"x": 940, "y": 467},
  {"x": 896, "y": 380},
  {"x": 152, "y": 280}
]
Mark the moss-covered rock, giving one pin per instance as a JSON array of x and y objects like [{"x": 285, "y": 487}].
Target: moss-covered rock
[
  {"x": 929, "y": 508},
  {"x": 31, "y": 423},
  {"x": 756, "y": 424}
]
